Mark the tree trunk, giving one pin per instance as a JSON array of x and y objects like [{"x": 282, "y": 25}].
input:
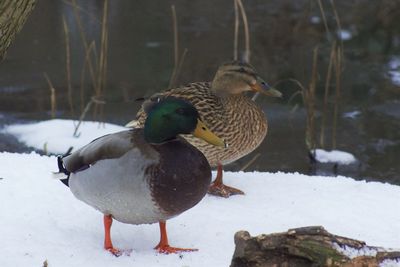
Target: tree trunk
[
  {"x": 304, "y": 247},
  {"x": 13, "y": 14}
]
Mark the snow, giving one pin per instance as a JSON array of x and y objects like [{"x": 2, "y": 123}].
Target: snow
[
  {"x": 335, "y": 156},
  {"x": 42, "y": 221},
  {"x": 394, "y": 73},
  {"x": 345, "y": 35},
  {"x": 352, "y": 114},
  {"x": 56, "y": 136},
  {"x": 353, "y": 252},
  {"x": 315, "y": 20}
]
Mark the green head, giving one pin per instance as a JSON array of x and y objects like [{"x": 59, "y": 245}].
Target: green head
[{"x": 169, "y": 117}]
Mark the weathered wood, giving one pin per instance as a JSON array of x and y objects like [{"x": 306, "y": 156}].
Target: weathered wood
[
  {"x": 302, "y": 247},
  {"x": 13, "y": 14}
]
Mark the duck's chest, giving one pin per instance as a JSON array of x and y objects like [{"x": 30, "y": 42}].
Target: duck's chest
[
  {"x": 180, "y": 179},
  {"x": 244, "y": 119},
  {"x": 138, "y": 189}
]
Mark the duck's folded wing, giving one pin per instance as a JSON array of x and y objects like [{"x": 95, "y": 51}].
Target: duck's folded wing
[{"x": 105, "y": 147}]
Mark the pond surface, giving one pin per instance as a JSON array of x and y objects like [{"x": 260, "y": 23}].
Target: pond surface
[{"x": 283, "y": 36}]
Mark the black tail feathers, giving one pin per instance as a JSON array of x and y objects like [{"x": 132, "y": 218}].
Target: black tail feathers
[{"x": 62, "y": 169}]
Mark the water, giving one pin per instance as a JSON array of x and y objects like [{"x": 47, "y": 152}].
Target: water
[{"x": 283, "y": 36}]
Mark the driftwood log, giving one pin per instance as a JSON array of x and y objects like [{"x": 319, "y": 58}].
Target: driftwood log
[
  {"x": 304, "y": 247},
  {"x": 13, "y": 14}
]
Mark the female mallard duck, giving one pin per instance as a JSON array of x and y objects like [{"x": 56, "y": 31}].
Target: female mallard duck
[
  {"x": 231, "y": 115},
  {"x": 144, "y": 175}
]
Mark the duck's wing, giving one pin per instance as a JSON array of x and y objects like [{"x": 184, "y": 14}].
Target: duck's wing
[{"x": 106, "y": 147}]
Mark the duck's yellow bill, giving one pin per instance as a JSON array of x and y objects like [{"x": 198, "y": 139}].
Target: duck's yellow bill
[
  {"x": 262, "y": 87},
  {"x": 204, "y": 133}
]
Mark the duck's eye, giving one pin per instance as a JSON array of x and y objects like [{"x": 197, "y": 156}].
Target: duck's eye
[{"x": 180, "y": 111}]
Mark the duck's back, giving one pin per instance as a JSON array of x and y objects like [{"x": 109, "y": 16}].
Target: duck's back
[
  {"x": 236, "y": 119},
  {"x": 141, "y": 183}
]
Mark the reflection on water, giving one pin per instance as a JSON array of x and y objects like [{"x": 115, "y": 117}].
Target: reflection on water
[{"x": 283, "y": 36}]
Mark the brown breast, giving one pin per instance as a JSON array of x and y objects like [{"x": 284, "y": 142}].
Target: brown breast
[{"x": 180, "y": 179}]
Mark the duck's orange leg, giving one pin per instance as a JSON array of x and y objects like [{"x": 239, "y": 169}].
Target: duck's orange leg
[
  {"x": 217, "y": 188},
  {"x": 107, "y": 236},
  {"x": 164, "y": 247}
]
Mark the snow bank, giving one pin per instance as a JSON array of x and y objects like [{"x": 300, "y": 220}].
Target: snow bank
[
  {"x": 41, "y": 220},
  {"x": 56, "y": 136},
  {"x": 335, "y": 156}
]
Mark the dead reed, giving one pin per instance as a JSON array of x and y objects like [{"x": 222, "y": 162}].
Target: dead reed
[
  {"x": 236, "y": 31},
  {"x": 309, "y": 102},
  {"x": 239, "y": 5},
  {"x": 178, "y": 60},
  {"x": 338, "y": 70},
  {"x": 326, "y": 96},
  {"x": 68, "y": 66},
  {"x": 53, "y": 101}
]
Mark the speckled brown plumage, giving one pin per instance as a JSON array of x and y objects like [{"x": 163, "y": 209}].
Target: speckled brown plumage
[{"x": 233, "y": 117}]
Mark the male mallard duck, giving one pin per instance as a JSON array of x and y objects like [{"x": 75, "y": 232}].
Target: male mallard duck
[
  {"x": 144, "y": 175},
  {"x": 231, "y": 115}
]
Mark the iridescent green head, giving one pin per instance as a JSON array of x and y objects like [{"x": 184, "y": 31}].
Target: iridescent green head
[{"x": 169, "y": 117}]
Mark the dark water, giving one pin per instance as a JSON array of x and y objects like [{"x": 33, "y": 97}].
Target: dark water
[{"x": 283, "y": 36}]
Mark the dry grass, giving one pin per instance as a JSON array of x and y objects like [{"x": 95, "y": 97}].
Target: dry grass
[{"x": 95, "y": 64}]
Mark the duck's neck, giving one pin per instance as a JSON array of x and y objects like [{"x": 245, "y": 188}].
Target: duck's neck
[{"x": 226, "y": 87}]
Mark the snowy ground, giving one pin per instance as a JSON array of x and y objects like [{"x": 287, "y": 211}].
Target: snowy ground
[
  {"x": 56, "y": 136},
  {"x": 41, "y": 220}
]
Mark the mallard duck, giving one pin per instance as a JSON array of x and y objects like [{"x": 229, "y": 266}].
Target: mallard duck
[
  {"x": 143, "y": 176},
  {"x": 230, "y": 114}
]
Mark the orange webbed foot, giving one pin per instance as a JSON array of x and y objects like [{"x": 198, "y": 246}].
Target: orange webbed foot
[
  {"x": 166, "y": 249},
  {"x": 119, "y": 252},
  {"x": 217, "y": 188},
  {"x": 221, "y": 190}
]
